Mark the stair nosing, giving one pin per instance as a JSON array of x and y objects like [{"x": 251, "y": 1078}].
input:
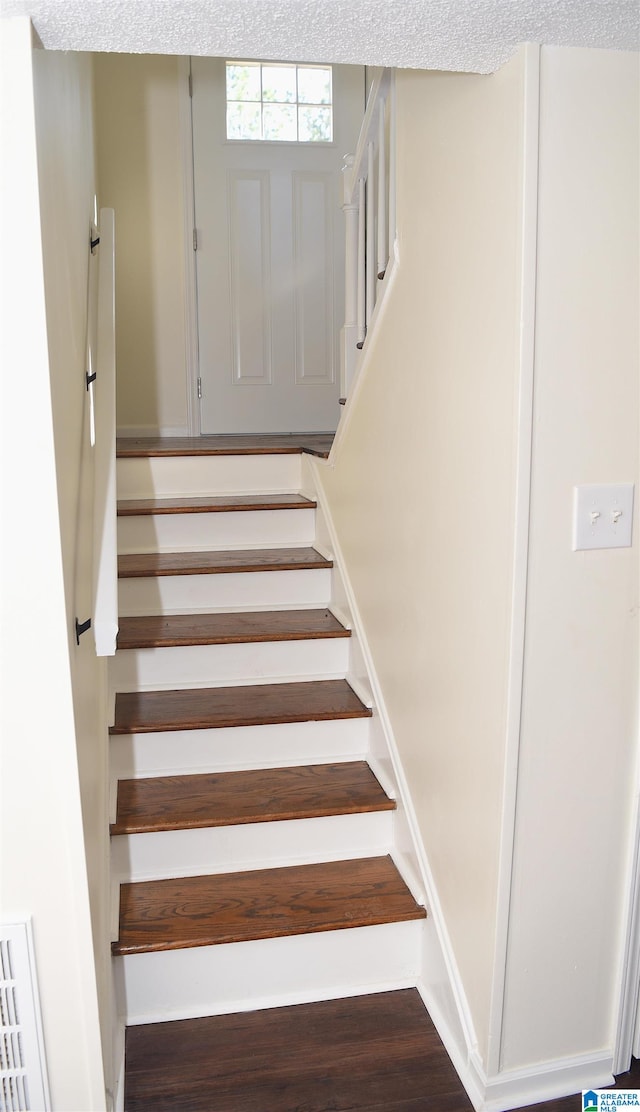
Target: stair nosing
[
  {"x": 232, "y": 720},
  {"x": 319, "y": 802},
  {"x": 266, "y": 635},
  {"x": 317, "y": 562},
  {"x": 261, "y": 928},
  {"x": 152, "y": 507},
  {"x": 284, "y": 444}
]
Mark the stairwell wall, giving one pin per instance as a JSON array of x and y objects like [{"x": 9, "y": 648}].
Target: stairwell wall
[
  {"x": 54, "y": 826},
  {"x": 140, "y": 176},
  {"x": 421, "y": 487}
]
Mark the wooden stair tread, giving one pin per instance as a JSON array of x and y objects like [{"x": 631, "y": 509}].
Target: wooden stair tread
[
  {"x": 206, "y": 503},
  {"x": 141, "y": 564},
  {"x": 269, "y": 903},
  {"x": 316, "y": 444},
  {"x": 231, "y": 628},
  {"x": 216, "y": 707},
  {"x": 256, "y": 795}
]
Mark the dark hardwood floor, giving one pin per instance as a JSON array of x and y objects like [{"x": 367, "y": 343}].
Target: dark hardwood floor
[
  {"x": 380, "y": 1053},
  {"x": 376, "y": 1053}
]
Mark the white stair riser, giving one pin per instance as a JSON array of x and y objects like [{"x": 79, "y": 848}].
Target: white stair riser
[
  {"x": 164, "y": 476},
  {"x": 239, "y": 747},
  {"x": 184, "y": 594},
  {"x": 199, "y": 665},
  {"x": 261, "y": 845},
  {"x": 231, "y": 529},
  {"x": 214, "y": 980}
]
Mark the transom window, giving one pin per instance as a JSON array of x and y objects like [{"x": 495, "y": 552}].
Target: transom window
[{"x": 277, "y": 102}]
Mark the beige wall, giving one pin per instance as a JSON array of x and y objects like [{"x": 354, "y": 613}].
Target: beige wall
[
  {"x": 423, "y": 495},
  {"x": 140, "y": 176},
  {"x": 50, "y": 691},
  {"x": 422, "y": 492},
  {"x": 579, "y": 724}
]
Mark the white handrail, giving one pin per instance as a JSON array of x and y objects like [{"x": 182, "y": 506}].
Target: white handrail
[
  {"x": 368, "y": 131},
  {"x": 369, "y": 207},
  {"x": 382, "y": 193},
  {"x": 105, "y": 559}
]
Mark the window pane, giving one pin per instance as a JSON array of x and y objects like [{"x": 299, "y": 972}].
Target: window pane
[
  {"x": 279, "y": 83},
  {"x": 243, "y": 82},
  {"x": 243, "y": 121},
  {"x": 314, "y": 85},
  {"x": 314, "y": 125},
  {"x": 279, "y": 122}
]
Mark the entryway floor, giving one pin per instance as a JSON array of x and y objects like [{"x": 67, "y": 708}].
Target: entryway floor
[{"x": 377, "y": 1053}]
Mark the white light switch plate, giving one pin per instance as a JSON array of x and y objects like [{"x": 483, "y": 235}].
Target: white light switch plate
[{"x": 602, "y": 515}]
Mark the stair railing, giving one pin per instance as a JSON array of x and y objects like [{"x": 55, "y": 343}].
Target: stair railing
[
  {"x": 370, "y": 225},
  {"x": 105, "y": 559}
]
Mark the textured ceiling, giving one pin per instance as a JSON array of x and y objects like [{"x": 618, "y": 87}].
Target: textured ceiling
[{"x": 477, "y": 35}]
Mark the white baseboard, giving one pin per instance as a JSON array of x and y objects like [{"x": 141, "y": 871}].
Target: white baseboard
[
  {"x": 550, "y": 1080},
  {"x": 135, "y": 431}
]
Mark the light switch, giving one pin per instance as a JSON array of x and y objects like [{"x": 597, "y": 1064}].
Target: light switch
[{"x": 602, "y": 515}]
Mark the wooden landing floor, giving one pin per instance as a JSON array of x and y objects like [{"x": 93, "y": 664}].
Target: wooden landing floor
[
  {"x": 367, "y": 1054},
  {"x": 314, "y": 443},
  {"x": 371, "y": 1052}
]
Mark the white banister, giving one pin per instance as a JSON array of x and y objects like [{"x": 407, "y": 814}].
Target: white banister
[
  {"x": 349, "y": 335},
  {"x": 392, "y": 168},
  {"x": 105, "y": 560},
  {"x": 362, "y": 255},
  {"x": 369, "y": 207},
  {"x": 371, "y": 234},
  {"x": 382, "y": 193}
]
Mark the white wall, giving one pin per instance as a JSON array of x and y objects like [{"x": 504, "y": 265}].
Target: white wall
[
  {"x": 44, "y": 872},
  {"x": 422, "y": 488},
  {"x": 579, "y": 724},
  {"x": 140, "y": 176}
]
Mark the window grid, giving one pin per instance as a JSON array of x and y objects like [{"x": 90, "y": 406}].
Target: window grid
[{"x": 241, "y": 130}]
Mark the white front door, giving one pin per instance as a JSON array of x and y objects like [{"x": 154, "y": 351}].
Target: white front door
[{"x": 270, "y": 244}]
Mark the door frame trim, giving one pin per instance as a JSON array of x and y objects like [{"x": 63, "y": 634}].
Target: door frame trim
[{"x": 192, "y": 361}]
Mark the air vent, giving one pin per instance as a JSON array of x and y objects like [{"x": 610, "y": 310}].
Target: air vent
[{"x": 23, "y": 1081}]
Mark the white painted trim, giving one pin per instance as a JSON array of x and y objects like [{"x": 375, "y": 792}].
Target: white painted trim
[
  {"x": 458, "y": 997},
  {"x": 189, "y": 222},
  {"x": 627, "y": 1041},
  {"x": 268, "y": 972},
  {"x": 528, "y": 233},
  {"x": 461, "y": 1062},
  {"x": 286, "y": 1000},
  {"x": 136, "y": 431},
  {"x": 550, "y": 1080}
]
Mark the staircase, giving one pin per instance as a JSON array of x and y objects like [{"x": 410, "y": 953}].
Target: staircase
[{"x": 252, "y": 845}]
